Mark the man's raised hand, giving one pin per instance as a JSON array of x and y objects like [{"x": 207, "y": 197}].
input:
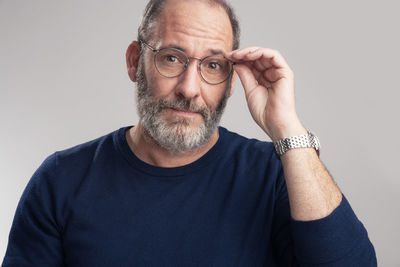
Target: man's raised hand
[{"x": 268, "y": 82}]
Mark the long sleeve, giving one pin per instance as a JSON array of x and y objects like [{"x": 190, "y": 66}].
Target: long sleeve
[
  {"x": 34, "y": 238},
  {"x": 97, "y": 204},
  {"x": 339, "y": 239}
]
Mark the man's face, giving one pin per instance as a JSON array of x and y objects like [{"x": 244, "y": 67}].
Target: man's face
[{"x": 182, "y": 113}]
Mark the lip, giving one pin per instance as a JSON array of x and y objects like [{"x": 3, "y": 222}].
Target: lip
[{"x": 184, "y": 113}]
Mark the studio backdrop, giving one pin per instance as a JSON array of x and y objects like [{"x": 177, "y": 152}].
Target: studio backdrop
[{"x": 63, "y": 81}]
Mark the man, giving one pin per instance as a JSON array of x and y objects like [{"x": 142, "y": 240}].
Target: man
[{"x": 176, "y": 189}]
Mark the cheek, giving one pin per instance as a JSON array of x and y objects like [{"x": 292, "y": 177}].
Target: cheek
[
  {"x": 160, "y": 86},
  {"x": 212, "y": 95},
  {"x": 164, "y": 87}
]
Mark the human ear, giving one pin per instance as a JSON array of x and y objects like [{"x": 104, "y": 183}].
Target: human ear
[{"x": 132, "y": 59}]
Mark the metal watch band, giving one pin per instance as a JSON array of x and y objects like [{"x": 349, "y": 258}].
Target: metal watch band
[{"x": 305, "y": 140}]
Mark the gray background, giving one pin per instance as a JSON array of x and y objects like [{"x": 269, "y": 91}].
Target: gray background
[{"x": 63, "y": 81}]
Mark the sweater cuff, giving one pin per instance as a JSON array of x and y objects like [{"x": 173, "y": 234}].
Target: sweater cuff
[{"x": 329, "y": 238}]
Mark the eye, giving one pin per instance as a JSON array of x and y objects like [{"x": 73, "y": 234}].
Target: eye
[
  {"x": 171, "y": 58},
  {"x": 213, "y": 65}
]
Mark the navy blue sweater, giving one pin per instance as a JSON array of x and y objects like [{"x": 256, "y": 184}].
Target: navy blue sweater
[{"x": 97, "y": 204}]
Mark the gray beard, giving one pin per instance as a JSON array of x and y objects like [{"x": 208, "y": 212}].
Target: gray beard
[{"x": 176, "y": 136}]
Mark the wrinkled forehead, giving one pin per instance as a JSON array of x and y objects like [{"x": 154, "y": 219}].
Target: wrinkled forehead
[{"x": 194, "y": 22}]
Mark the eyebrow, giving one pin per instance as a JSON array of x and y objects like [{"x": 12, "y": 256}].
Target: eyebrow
[{"x": 211, "y": 50}]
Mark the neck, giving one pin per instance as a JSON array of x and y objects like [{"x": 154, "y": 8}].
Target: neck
[{"x": 147, "y": 150}]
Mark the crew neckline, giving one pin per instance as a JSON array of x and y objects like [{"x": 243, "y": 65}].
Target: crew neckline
[{"x": 210, "y": 156}]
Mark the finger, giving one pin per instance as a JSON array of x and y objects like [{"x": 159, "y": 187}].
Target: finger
[
  {"x": 267, "y": 57},
  {"x": 238, "y": 52},
  {"x": 251, "y": 66},
  {"x": 265, "y": 82},
  {"x": 239, "y": 55},
  {"x": 270, "y": 75},
  {"x": 274, "y": 75},
  {"x": 246, "y": 76},
  {"x": 261, "y": 66}
]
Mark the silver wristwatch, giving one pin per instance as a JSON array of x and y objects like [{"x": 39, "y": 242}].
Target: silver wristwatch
[{"x": 305, "y": 140}]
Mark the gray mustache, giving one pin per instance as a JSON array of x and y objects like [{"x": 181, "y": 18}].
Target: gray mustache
[{"x": 183, "y": 104}]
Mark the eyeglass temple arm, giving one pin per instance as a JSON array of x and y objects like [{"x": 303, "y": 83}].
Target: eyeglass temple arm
[{"x": 150, "y": 47}]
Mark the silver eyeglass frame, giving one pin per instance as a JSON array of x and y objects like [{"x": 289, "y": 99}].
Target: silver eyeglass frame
[{"x": 155, "y": 51}]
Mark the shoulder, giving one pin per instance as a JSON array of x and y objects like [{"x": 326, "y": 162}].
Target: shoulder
[
  {"x": 250, "y": 154},
  {"x": 66, "y": 168},
  {"x": 79, "y": 155},
  {"x": 62, "y": 174},
  {"x": 87, "y": 151},
  {"x": 254, "y": 162},
  {"x": 249, "y": 147}
]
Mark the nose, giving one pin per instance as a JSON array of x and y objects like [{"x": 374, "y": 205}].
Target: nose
[{"x": 189, "y": 81}]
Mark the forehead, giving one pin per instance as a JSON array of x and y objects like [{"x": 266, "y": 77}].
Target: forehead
[{"x": 194, "y": 25}]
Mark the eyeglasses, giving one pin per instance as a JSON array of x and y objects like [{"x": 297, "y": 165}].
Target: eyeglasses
[{"x": 172, "y": 62}]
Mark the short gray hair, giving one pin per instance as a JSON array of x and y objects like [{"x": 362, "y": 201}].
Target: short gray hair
[{"x": 155, "y": 7}]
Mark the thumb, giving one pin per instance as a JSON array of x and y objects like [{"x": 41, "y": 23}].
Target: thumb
[{"x": 246, "y": 76}]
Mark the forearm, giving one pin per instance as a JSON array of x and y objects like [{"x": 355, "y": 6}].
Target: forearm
[
  {"x": 268, "y": 82},
  {"x": 312, "y": 192}
]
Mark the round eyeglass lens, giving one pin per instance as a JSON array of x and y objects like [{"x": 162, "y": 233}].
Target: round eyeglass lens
[
  {"x": 215, "y": 69},
  {"x": 170, "y": 62}
]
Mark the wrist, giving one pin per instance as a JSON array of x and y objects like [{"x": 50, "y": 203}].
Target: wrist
[
  {"x": 300, "y": 141},
  {"x": 294, "y": 129}
]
